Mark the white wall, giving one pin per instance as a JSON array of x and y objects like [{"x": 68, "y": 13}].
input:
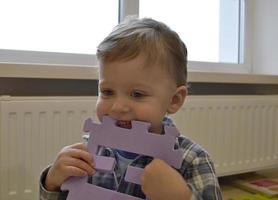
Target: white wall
[{"x": 265, "y": 37}]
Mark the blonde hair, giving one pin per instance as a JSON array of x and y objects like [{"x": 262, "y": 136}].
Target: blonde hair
[{"x": 157, "y": 41}]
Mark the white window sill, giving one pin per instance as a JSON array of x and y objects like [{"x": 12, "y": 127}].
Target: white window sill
[
  {"x": 91, "y": 73},
  {"x": 213, "y": 77},
  {"x": 48, "y": 71}
]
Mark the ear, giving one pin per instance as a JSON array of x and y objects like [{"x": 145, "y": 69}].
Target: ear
[{"x": 177, "y": 99}]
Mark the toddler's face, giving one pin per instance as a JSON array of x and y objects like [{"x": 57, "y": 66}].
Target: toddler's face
[{"x": 129, "y": 91}]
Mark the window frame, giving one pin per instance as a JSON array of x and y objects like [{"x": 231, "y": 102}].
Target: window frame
[{"x": 75, "y": 70}]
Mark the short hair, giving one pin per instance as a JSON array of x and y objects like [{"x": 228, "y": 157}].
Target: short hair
[{"x": 156, "y": 40}]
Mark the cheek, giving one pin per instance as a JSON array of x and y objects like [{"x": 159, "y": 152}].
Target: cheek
[
  {"x": 100, "y": 108},
  {"x": 152, "y": 113}
]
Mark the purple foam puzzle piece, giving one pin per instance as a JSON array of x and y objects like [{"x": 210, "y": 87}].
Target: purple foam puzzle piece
[{"x": 137, "y": 140}]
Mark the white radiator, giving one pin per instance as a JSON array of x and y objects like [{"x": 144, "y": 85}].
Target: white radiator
[
  {"x": 33, "y": 131},
  {"x": 240, "y": 133}
]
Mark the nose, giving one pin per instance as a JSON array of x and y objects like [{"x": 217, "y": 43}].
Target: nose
[{"x": 120, "y": 106}]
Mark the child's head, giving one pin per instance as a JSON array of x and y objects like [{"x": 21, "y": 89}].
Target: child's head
[
  {"x": 142, "y": 73},
  {"x": 159, "y": 44}
]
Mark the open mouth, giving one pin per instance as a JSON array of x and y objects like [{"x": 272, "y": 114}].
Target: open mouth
[{"x": 124, "y": 124}]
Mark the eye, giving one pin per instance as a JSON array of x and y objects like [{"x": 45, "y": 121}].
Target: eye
[
  {"x": 106, "y": 92},
  {"x": 138, "y": 94}
]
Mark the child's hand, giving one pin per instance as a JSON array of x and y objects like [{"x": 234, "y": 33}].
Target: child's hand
[
  {"x": 161, "y": 182},
  {"x": 73, "y": 160}
]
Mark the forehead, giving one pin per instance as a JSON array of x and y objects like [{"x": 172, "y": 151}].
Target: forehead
[
  {"x": 138, "y": 66},
  {"x": 141, "y": 63},
  {"x": 134, "y": 71}
]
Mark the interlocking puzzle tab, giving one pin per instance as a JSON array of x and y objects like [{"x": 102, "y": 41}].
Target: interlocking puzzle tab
[{"x": 137, "y": 140}]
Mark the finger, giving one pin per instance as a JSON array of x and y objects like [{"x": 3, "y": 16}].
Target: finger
[
  {"x": 144, "y": 189},
  {"x": 79, "y": 154},
  {"x": 88, "y": 157},
  {"x": 143, "y": 185},
  {"x": 143, "y": 182},
  {"x": 147, "y": 170},
  {"x": 80, "y": 164},
  {"x": 80, "y": 145},
  {"x": 75, "y": 171}
]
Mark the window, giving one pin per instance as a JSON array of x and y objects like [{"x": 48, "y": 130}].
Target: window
[
  {"x": 213, "y": 30},
  {"x": 65, "y": 33},
  {"x": 56, "y": 32},
  {"x": 210, "y": 29}
]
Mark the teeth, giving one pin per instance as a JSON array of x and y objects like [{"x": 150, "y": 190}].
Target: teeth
[{"x": 124, "y": 124}]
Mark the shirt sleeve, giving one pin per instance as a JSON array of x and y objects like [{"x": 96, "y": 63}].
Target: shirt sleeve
[
  {"x": 198, "y": 171},
  {"x": 47, "y": 195},
  {"x": 204, "y": 183}
]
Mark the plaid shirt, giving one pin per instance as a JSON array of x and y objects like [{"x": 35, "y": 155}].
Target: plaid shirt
[{"x": 197, "y": 170}]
